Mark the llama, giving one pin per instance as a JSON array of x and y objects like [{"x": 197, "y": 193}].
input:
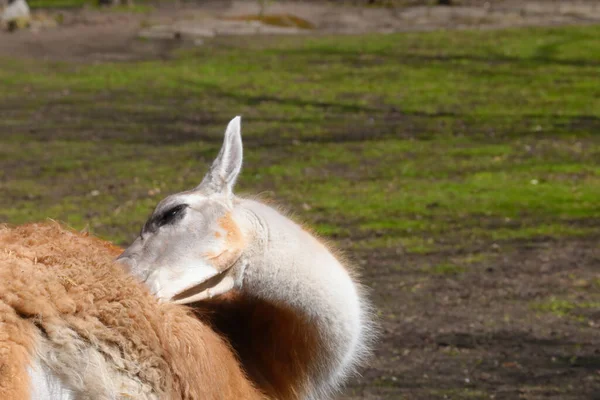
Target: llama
[
  {"x": 75, "y": 325},
  {"x": 294, "y": 313}
]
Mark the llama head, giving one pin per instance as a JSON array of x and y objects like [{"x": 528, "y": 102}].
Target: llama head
[{"x": 191, "y": 247}]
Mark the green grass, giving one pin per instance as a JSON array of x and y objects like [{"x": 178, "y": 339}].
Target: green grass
[
  {"x": 446, "y": 269},
  {"x": 458, "y": 394},
  {"x": 421, "y": 141},
  {"x": 139, "y": 5},
  {"x": 59, "y": 3},
  {"x": 563, "y": 307}
]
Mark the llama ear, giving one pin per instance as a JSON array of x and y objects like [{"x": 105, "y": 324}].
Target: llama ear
[{"x": 225, "y": 169}]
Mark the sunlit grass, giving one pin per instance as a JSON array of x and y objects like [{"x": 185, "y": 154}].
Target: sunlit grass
[{"x": 416, "y": 141}]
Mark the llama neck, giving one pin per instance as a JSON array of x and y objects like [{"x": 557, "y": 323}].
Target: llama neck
[{"x": 287, "y": 266}]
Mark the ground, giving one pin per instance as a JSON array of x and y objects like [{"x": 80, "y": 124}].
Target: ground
[{"x": 460, "y": 171}]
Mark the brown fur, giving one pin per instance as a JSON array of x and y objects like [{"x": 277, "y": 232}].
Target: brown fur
[
  {"x": 277, "y": 347},
  {"x": 53, "y": 280},
  {"x": 16, "y": 342}
]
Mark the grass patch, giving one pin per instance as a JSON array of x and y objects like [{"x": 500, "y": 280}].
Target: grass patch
[
  {"x": 563, "y": 307},
  {"x": 415, "y": 244},
  {"x": 420, "y": 141},
  {"x": 60, "y": 3},
  {"x": 446, "y": 269},
  {"x": 139, "y": 5},
  {"x": 465, "y": 393}
]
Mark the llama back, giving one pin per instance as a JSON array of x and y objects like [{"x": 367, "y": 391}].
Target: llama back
[{"x": 66, "y": 305}]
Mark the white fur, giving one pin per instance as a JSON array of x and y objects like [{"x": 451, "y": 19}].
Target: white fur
[
  {"x": 279, "y": 262},
  {"x": 84, "y": 369},
  {"x": 47, "y": 386},
  {"x": 286, "y": 265}
]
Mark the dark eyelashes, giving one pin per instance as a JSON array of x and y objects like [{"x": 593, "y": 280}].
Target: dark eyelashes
[
  {"x": 167, "y": 217},
  {"x": 171, "y": 215}
]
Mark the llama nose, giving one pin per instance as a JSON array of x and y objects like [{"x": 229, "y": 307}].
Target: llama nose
[
  {"x": 128, "y": 257},
  {"x": 131, "y": 251},
  {"x": 125, "y": 256},
  {"x": 131, "y": 265},
  {"x": 128, "y": 261}
]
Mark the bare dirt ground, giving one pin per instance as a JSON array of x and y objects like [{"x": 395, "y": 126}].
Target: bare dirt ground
[{"x": 486, "y": 343}]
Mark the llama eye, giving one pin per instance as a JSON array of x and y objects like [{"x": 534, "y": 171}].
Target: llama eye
[{"x": 171, "y": 215}]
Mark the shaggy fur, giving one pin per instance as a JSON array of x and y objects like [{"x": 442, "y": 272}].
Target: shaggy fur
[{"x": 64, "y": 302}]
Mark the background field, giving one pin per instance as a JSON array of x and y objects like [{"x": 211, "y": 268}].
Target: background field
[{"x": 460, "y": 171}]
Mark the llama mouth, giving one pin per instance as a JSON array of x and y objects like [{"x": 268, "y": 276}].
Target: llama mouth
[{"x": 215, "y": 285}]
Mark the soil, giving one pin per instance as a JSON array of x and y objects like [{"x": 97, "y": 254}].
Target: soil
[
  {"x": 467, "y": 335},
  {"x": 487, "y": 342}
]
